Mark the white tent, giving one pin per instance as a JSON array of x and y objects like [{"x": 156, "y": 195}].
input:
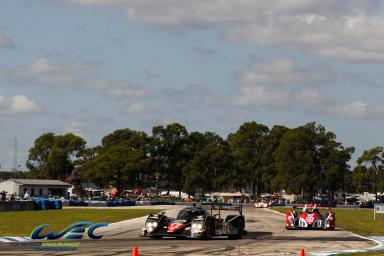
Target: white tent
[{"x": 176, "y": 194}]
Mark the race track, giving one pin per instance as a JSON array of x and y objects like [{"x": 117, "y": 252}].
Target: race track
[{"x": 266, "y": 236}]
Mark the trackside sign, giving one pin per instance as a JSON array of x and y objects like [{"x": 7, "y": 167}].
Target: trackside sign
[{"x": 378, "y": 208}]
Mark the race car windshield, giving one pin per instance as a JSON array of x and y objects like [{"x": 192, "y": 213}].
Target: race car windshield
[{"x": 187, "y": 215}]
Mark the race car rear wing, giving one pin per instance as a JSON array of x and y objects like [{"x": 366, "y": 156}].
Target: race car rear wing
[{"x": 223, "y": 206}]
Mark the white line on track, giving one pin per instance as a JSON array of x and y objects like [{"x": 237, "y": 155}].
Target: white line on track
[{"x": 14, "y": 239}]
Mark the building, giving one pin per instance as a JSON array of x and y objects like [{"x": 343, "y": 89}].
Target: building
[
  {"x": 87, "y": 189},
  {"x": 35, "y": 187}
]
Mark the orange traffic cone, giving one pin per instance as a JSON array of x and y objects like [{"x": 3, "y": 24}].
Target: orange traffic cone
[
  {"x": 302, "y": 253},
  {"x": 135, "y": 251}
]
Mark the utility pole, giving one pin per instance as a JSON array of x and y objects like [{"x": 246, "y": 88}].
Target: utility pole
[{"x": 15, "y": 159}]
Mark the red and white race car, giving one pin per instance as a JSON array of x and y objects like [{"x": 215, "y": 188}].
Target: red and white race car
[{"x": 310, "y": 219}]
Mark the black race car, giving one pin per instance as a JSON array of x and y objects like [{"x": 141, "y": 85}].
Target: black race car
[{"x": 194, "y": 222}]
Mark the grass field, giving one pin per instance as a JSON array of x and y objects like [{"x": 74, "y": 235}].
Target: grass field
[
  {"x": 22, "y": 223},
  {"x": 374, "y": 253}
]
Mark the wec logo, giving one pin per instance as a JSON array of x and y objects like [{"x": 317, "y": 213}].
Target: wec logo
[{"x": 74, "y": 231}]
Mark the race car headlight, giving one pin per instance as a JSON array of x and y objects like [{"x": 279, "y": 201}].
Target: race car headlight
[
  {"x": 154, "y": 224},
  {"x": 149, "y": 224},
  {"x": 197, "y": 227},
  {"x": 150, "y": 229}
]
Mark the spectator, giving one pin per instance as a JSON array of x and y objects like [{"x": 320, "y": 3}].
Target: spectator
[
  {"x": 26, "y": 195},
  {"x": 3, "y": 195}
]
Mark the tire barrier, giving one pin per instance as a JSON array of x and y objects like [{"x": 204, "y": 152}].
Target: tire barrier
[
  {"x": 25, "y": 205},
  {"x": 77, "y": 203},
  {"x": 120, "y": 203},
  {"x": 143, "y": 202},
  {"x": 47, "y": 204},
  {"x": 162, "y": 203},
  {"x": 59, "y": 204},
  {"x": 97, "y": 203},
  {"x": 43, "y": 204}
]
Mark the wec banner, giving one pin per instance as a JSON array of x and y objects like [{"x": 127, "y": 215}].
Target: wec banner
[{"x": 378, "y": 208}]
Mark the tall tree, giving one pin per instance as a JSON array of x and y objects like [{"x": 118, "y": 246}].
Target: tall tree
[
  {"x": 170, "y": 143},
  {"x": 310, "y": 160},
  {"x": 270, "y": 144},
  {"x": 121, "y": 161},
  {"x": 334, "y": 160},
  {"x": 54, "y": 156},
  {"x": 296, "y": 160},
  {"x": 373, "y": 159},
  {"x": 247, "y": 148},
  {"x": 363, "y": 179},
  {"x": 211, "y": 167}
]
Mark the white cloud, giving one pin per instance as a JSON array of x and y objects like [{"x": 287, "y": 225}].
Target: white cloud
[
  {"x": 203, "y": 12},
  {"x": 71, "y": 74},
  {"x": 137, "y": 107},
  {"x": 341, "y": 29},
  {"x": 76, "y": 128},
  {"x": 260, "y": 96},
  {"x": 359, "y": 109},
  {"x": 6, "y": 42},
  {"x": 283, "y": 72},
  {"x": 18, "y": 104},
  {"x": 357, "y": 37},
  {"x": 281, "y": 83},
  {"x": 42, "y": 72}
]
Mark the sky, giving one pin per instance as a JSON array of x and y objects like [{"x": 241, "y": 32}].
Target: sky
[{"x": 94, "y": 66}]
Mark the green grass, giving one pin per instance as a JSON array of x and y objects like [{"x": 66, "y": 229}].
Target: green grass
[
  {"x": 359, "y": 221},
  {"x": 373, "y": 253},
  {"x": 23, "y": 223}
]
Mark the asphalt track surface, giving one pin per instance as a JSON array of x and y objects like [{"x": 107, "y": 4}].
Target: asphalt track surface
[{"x": 266, "y": 236}]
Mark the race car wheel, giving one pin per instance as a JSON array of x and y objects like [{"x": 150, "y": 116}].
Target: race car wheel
[
  {"x": 239, "y": 235},
  {"x": 208, "y": 231}
]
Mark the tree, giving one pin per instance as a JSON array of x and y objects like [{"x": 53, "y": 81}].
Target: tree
[
  {"x": 310, "y": 160},
  {"x": 270, "y": 143},
  {"x": 247, "y": 148},
  {"x": 333, "y": 162},
  {"x": 296, "y": 161},
  {"x": 373, "y": 159},
  {"x": 170, "y": 145},
  {"x": 211, "y": 166},
  {"x": 121, "y": 161},
  {"x": 363, "y": 179},
  {"x": 54, "y": 156}
]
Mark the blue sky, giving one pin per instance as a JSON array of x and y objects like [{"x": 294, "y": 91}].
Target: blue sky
[{"x": 93, "y": 66}]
